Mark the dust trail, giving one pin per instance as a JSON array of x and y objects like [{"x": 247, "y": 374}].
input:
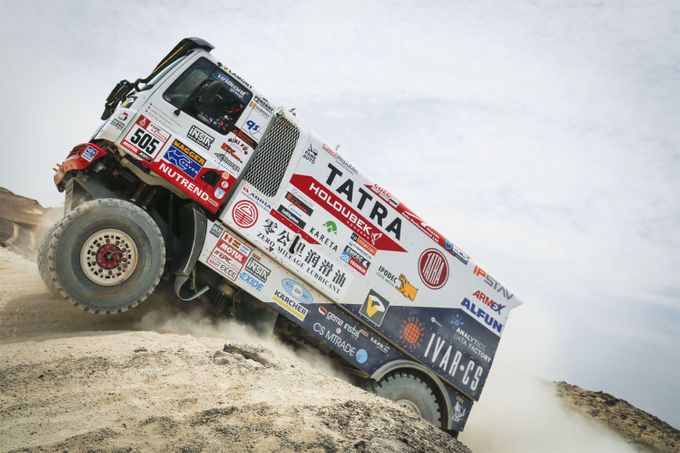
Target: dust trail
[
  {"x": 195, "y": 321},
  {"x": 520, "y": 413}
]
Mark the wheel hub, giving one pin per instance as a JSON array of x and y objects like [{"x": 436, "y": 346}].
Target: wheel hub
[
  {"x": 108, "y": 257},
  {"x": 409, "y": 406}
]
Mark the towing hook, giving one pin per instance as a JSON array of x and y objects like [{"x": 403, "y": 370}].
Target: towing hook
[{"x": 180, "y": 280}]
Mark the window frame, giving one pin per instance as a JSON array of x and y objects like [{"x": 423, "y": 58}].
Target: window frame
[{"x": 224, "y": 75}]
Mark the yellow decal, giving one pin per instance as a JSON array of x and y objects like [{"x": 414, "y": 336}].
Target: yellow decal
[
  {"x": 407, "y": 289},
  {"x": 374, "y": 306}
]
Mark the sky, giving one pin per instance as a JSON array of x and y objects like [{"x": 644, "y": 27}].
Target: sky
[{"x": 540, "y": 137}]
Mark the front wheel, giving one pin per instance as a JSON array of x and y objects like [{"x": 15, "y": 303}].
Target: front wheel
[
  {"x": 106, "y": 256},
  {"x": 43, "y": 267}
]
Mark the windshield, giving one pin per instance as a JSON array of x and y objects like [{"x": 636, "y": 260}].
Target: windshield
[{"x": 210, "y": 95}]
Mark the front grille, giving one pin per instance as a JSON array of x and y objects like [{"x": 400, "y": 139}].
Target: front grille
[{"x": 269, "y": 163}]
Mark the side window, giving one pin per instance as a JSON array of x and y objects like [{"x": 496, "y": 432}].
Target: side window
[
  {"x": 210, "y": 95},
  {"x": 268, "y": 165}
]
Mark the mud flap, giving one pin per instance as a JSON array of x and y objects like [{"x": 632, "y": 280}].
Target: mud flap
[
  {"x": 82, "y": 188},
  {"x": 193, "y": 224}
]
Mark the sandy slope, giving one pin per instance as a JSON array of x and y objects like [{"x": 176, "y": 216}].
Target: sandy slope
[
  {"x": 73, "y": 381},
  {"x": 641, "y": 429}
]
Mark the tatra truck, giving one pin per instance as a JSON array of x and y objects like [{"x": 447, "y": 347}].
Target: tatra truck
[{"x": 195, "y": 179}]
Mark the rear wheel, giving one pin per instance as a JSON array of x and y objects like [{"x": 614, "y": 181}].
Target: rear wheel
[
  {"x": 412, "y": 393},
  {"x": 106, "y": 256}
]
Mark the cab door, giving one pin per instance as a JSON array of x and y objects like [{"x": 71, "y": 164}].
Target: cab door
[{"x": 198, "y": 109}]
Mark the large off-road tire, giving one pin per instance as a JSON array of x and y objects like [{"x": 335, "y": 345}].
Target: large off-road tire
[
  {"x": 106, "y": 256},
  {"x": 412, "y": 393},
  {"x": 43, "y": 268}
]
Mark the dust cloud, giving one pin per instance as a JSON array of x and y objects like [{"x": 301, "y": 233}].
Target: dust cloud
[
  {"x": 196, "y": 321},
  {"x": 521, "y": 413},
  {"x": 517, "y": 412}
]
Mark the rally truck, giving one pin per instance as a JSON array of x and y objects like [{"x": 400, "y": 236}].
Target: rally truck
[{"x": 197, "y": 180}]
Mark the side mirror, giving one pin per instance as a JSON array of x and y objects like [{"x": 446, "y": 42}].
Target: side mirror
[{"x": 119, "y": 92}]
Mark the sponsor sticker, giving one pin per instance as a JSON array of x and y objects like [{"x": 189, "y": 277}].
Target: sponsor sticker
[
  {"x": 459, "y": 413},
  {"x": 351, "y": 169},
  {"x": 442, "y": 354},
  {"x": 471, "y": 343},
  {"x": 244, "y": 213},
  {"x": 89, "y": 153},
  {"x": 251, "y": 281},
  {"x": 174, "y": 175},
  {"x": 380, "y": 344},
  {"x": 216, "y": 230},
  {"x": 234, "y": 87},
  {"x": 486, "y": 300},
  {"x": 364, "y": 244},
  {"x": 355, "y": 260},
  {"x": 295, "y": 247},
  {"x": 263, "y": 104},
  {"x": 145, "y": 138},
  {"x": 297, "y": 291},
  {"x": 201, "y": 137},
  {"x": 374, "y": 308},
  {"x": 328, "y": 200},
  {"x": 388, "y": 276},
  {"x": 334, "y": 338},
  {"x": 296, "y": 309},
  {"x": 483, "y": 316},
  {"x": 228, "y": 256},
  {"x": 238, "y": 146},
  {"x": 361, "y": 356},
  {"x": 455, "y": 251},
  {"x": 331, "y": 227},
  {"x": 253, "y": 127},
  {"x": 184, "y": 159},
  {"x": 310, "y": 154},
  {"x": 258, "y": 270},
  {"x": 407, "y": 289},
  {"x": 302, "y": 206},
  {"x": 292, "y": 217},
  {"x": 495, "y": 285},
  {"x": 229, "y": 161},
  {"x": 250, "y": 193},
  {"x": 411, "y": 333},
  {"x": 342, "y": 324},
  {"x": 433, "y": 268}
]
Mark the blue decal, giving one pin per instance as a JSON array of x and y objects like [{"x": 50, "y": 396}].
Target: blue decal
[
  {"x": 89, "y": 154},
  {"x": 297, "y": 291},
  {"x": 252, "y": 126},
  {"x": 183, "y": 162},
  {"x": 252, "y": 281},
  {"x": 478, "y": 312},
  {"x": 361, "y": 356}
]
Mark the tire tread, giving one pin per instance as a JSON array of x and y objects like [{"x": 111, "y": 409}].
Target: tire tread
[
  {"x": 376, "y": 387},
  {"x": 58, "y": 232}
]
